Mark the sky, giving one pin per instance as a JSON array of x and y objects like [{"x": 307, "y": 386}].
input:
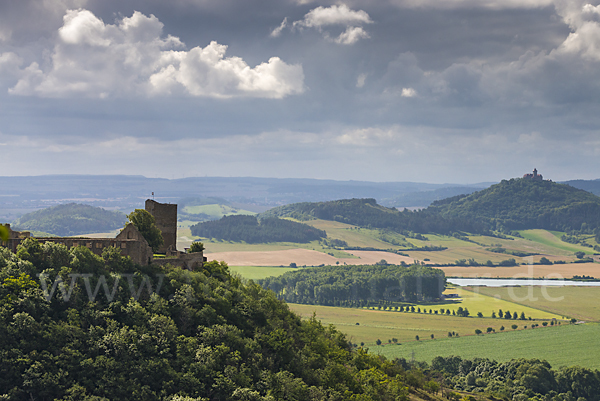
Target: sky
[{"x": 453, "y": 91}]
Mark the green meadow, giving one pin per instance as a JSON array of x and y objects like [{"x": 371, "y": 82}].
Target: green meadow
[
  {"x": 564, "y": 345},
  {"x": 259, "y": 272},
  {"x": 552, "y": 240},
  {"x": 578, "y": 302}
]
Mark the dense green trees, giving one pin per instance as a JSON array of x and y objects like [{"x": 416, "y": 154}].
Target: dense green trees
[
  {"x": 146, "y": 225},
  {"x": 358, "y": 285},
  {"x": 524, "y": 204},
  {"x": 251, "y": 230},
  {"x": 96, "y": 328},
  {"x": 70, "y": 219},
  {"x": 520, "y": 379}
]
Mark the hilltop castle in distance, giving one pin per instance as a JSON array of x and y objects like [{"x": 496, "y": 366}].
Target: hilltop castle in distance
[{"x": 535, "y": 176}]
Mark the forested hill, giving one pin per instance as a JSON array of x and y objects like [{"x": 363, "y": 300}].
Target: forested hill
[
  {"x": 524, "y": 204},
  {"x": 71, "y": 219},
  {"x": 510, "y": 205},
  {"x": 249, "y": 229},
  {"x": 367, "y": 213}
]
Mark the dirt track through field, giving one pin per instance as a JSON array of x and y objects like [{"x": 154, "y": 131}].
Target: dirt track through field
[{"x": 303, "y": 257}]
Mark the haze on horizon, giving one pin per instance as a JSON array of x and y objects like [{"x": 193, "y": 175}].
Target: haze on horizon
[{"x": 460, "y": 91}]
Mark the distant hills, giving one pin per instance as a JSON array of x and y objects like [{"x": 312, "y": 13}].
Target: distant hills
[
  {"x": 71, "y": 219},
  {"x": 510, "y": 205},
  {"x": 525, "y": 204}
]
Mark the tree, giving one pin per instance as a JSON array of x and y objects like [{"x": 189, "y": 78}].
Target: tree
[
  {"x": 479, "y": 314},
  {"x": 3, "y": 233},
  {"x": 579, "y": 255},
  {"x": 501, "y": 328},
  {"x": 514, "y": 326},
  {"x": 417, "y": 338},
  {"x": 522, "y": 316},
  {"x": 378, "y": 342},
  {"x": 545, "y": 261},
  {"x": 500, "y": 313},
  {"x": 478, "y": 332},
  {"x": 493, "y": 315},
  {"x": 146, "y": 225},
  {"x": 489, "y": 330},
  {"x": 196, "y": 247},
  {"x": 432, "y": 336}
]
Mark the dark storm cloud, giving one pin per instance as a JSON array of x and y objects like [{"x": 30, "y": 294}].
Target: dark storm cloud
[{"x": 490, "y": 81}]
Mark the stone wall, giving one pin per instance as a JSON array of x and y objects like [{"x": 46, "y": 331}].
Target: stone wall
[
  {"x": 130, "y": 242},
  {"x": 165, "y": 215},
  {"x": 189, "y": 261}
]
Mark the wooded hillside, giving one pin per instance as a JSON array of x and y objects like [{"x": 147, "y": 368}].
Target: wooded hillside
[
  {"x": 251, "y": 230},
  {"x": 71, "y": 219},
  {"x": 526, "y": 204}
]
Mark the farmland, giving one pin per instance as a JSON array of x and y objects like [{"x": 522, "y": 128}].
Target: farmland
[
  {"x": 537, "y": 243},
  {"x": 561, "y": 346},
  {"x": 578, "y": 302},
  {"x": 259, "y": 272},
  {"x": 375, "y": 324}
]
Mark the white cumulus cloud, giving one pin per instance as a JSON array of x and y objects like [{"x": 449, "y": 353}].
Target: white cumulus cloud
[
  {"x": 133, "y": 58},
  {"x": 334, "y": 15},
  {"x": 352, "y": 35},
  {"x": 323, "y": 18}
]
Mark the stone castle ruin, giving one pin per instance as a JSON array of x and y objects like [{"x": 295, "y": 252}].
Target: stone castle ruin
[
  {"x": 129, "y": 241},
  {"x": 165, "y": 217}
]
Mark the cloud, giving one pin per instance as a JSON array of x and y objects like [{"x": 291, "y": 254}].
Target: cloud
[
  {"x": 336, "y": 15},
  {"x": 133, "y": 58},
  {"x": 408, "y": 92},
  {"x": 277, "y": 31},
  {"x": 470, "y": 4},
  {"x": 360, "y": 80},
  {"x": 351, "y": 35}
]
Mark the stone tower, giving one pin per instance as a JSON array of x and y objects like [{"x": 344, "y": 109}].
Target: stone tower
[{"x": 165, "y": 215}]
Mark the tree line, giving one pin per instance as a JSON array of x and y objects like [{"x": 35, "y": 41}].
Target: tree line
[
  {"x": 252, "y": 230},
  {"x": 358, "y": 285}
]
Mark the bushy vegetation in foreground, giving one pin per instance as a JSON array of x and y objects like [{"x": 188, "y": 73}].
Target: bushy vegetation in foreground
[
  {"x": 204, "y": 335},
  {"x": 165, "y": 334},
  {"x": 249, "y": 229}
]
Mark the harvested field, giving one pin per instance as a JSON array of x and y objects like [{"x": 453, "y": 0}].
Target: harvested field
[{"x": 303, "y": 257}]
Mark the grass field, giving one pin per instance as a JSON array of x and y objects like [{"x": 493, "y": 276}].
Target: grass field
[
  {"x": 552, "y": 239},
  {"x": 259, "y": 272},
  {"x": 361, "y": 237},
  {"x": 404, "y": 326},
  {"x": 565, "y": 345},
  {"x": 578, "y": 302}
]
